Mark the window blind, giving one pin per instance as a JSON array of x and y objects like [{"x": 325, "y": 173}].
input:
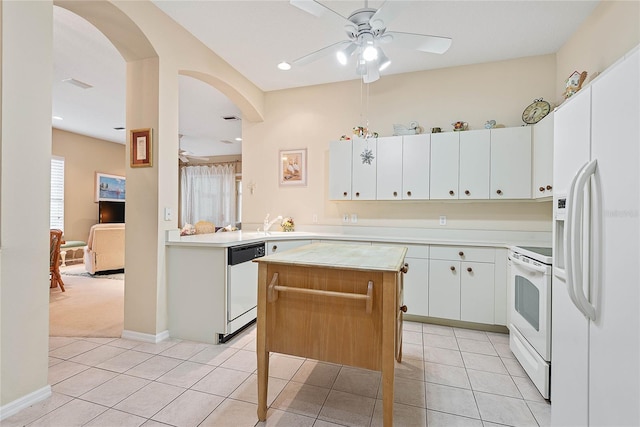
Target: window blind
[{"x": 56, "y": 210}]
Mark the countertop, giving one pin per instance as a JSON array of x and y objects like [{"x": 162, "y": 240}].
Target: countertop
[
  {"x": 335, "y": 255},
  {"x": 499, "y": 239}
]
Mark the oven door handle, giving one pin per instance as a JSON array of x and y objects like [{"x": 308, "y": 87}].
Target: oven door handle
[{"x": 535, "y": 268}]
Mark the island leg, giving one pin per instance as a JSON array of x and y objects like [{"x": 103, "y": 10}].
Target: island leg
[
  {"x": 389, "y": 307},
  {"x": 261, "y": 343}
]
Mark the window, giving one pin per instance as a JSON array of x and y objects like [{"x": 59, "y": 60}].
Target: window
[{"x": 56, "y": 209}]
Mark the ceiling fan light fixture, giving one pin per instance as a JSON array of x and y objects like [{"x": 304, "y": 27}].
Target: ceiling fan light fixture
[
  {"x": 284, "y": 66},
  {"x": 370, "y": 53},
  {"x": 344, "y": 54},
  {"x": 383, "y": 61}
]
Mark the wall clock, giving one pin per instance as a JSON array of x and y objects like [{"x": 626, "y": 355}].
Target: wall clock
[{"x": 536, "y": 111}]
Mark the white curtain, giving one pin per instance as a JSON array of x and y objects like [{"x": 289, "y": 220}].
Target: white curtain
[{"x": 208, "y": 194}]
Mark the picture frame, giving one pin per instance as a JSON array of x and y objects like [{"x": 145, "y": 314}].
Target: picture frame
[
  {"x": 109, "y": 188},
  {"x": 141, "y": 148},
  {"x": 573, "y": 83},
  {"x": 293, "y": 167}
]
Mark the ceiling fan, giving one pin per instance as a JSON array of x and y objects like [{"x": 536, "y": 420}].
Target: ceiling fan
[
  {"x": 366, "y": 30},
  {"x": 185, "y": 155}
]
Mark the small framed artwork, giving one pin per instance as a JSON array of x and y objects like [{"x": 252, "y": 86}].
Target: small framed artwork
[
  {"x": 110, "y": 188},
  {"x": 141, "y": 148},
  {"x": 293, "y": 167}
]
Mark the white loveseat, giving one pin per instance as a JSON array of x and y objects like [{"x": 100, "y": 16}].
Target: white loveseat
[{"x": 105, "y": 248}]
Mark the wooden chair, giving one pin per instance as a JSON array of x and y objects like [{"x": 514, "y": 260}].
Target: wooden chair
[
  {"x": 204, "y": 227},
  {"x": 55, "y": 240}
]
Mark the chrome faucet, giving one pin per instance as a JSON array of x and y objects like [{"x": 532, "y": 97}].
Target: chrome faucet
[{"x": 266, "y": 225}]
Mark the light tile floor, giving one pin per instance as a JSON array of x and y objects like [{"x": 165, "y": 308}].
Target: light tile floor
[{"x": 449, "y": 377}]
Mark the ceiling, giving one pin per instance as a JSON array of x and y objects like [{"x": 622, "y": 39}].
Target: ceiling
[{"x": 254, "y": 36}]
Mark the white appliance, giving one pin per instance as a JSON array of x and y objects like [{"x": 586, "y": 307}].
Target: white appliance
[
  {"x": 530, "y": 312},
  {"x": 595, "y": 347},
  {"x": 242, "y": 287}
]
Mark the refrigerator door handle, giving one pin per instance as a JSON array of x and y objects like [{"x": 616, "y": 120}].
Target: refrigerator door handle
[
  {"x": 569, "y": 239},
  {"x": 577, "y": 244}
]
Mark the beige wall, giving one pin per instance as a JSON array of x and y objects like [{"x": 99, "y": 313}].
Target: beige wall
[
  {"x": 610, "y": 32},
  {"x": 311, "y": 117},
  {"x": 84, "y": 156}
]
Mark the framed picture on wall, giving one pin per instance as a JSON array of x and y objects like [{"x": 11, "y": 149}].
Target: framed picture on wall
[
  {"x": 141, "y": 148},
  {"x": 110, "y": 188},
  {"x": 293, "y": 167}
]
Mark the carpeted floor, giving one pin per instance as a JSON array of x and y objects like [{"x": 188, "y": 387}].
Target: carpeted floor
[{"x": 92, "y": 306}]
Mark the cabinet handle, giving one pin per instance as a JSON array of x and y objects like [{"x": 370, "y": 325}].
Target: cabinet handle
[
  {"x": 395, "y": 194},
  {"x": 358, "y": 194},
  {"x": 344, "y": 194},
  {"x": 469, "y": 269},
  {"x": 461, "y": 253},
  {"x": 405, "y": 268},
  {"x": 452, "y": 268},
  {"x": 499, "y": 191},
  {"x": 274, "y": 248},
  {"x": 549, "y": 187},
  {"x": 541, "y": 189},
  {"x": 467, "y": 192},
  {"x": 403, "y": 309},
  {"x": 408, "y": 193},
  {"x": 451, "y": 193}
]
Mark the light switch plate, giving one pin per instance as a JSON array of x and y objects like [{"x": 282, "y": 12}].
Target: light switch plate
[
  {"x": 168, "y": 214},
  {"x": 345, "y": 218}
]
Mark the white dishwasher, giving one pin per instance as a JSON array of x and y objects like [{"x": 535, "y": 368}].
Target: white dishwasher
[{"x": 242, "y": 287}]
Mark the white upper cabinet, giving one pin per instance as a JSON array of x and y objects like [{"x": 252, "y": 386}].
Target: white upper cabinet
[
  {"x": 389, "y": 173},
  {"x": 475, "y": 157},
  {"x": 511, "y": 163},
  {"x": 543, "y": 158},
  {"x": 340, "y": 153},
  {"x": 416, "y": 154},
  {"x": 445, "y": 150},
  {"x": 364, "y": 162}
]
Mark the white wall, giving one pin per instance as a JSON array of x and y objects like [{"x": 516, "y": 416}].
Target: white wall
[{"x": 24, "y": 197}]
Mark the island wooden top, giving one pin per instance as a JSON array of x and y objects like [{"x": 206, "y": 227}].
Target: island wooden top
[{"x": 344, "y": 256}]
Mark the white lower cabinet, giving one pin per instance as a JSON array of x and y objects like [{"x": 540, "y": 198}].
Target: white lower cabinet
[{"x": 461, "y": 283}]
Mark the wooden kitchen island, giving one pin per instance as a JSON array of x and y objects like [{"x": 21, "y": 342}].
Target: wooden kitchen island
[{"x": 337, "y": 303}]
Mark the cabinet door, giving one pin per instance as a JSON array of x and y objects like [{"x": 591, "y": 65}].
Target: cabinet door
[
  {"x": 389, "y": 171},
  {"x": 416, "y": 153},
  {"x": 340, "y": 170},
  {"x": 543, "y": 158},
  {"x": 477, "y": 292},
  {"x": 363, "y": 174},
  {"x": 444, "y": 289},
  {"x": 416, "y": 286},
  {"x": 511, "y": 163},
  {"x": 445, "y": 149},
  {"x": 475, "y": 156}
]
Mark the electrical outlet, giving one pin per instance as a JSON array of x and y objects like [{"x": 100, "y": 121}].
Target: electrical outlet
[
  {"x": 443, "y": 220},
  {"x": 345, "y": 218},
  {"x": 314, "y": 218},
  {"x": 354, "y": 218}
]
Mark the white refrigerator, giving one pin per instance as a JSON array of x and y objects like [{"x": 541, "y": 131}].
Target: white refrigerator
[{"x": 595, "y": 340}]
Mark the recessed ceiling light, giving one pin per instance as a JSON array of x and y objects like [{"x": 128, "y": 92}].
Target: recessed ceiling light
[
  {"x": 57, "y": 118},
  {"x": 78, "y": 83},
  {"x": 238, "y": 139},
  {"x": 284, "y": 66}
]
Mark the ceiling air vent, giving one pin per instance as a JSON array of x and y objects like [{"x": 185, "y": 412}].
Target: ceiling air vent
[
  {"x": 78, "y": 83},
  {"x": 119, "y": 128},
  {"x": 226, "y": 141},
  {"x": 230, "y": 118}
]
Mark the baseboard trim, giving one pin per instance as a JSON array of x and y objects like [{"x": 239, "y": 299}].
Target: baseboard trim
[
  {"x": 24, "y": 402},
  {"x": 140, "y": 336}
]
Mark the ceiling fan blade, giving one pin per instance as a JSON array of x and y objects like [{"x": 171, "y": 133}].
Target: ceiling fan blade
[
  {"x": 421, "y": 42},
  {"x": 387, "y": 13},
  {"x": 314, "y": 56},
  {"x": 315, "y": 8}
]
